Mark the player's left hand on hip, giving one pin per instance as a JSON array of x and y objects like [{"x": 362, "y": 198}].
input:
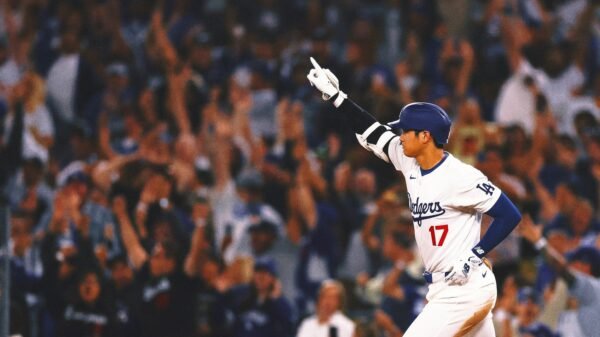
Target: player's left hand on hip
[{"x": 463, "y": 268}]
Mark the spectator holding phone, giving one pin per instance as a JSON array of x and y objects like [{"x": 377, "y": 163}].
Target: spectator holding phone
[{"x": 328, "y": 321}]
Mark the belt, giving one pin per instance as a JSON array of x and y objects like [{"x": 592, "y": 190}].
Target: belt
[
  {"x": 441, "y": 275},
  {"x": 434, "y": 277}
]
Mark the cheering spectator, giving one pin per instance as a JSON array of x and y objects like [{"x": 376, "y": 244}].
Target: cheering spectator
[
  {"x": 402, "y": 293},
  {"x": 71, "y": 81},
  {"x": 259, "y": 307},
  {"x": 38, "y": 134},
  {"x": 66, "y": 249},
  {"x": 578, "y": 230},
  {"x": 124, "y": 292},
  {"x": 212, "y": 318},
  {"x": 526, "y": 305},
  {"x": 376, "y": 226},
  {"x": 165, "y": 302},
  {"x": 89, "y": 314},
  {"x": 580, "y": 272},
  {"x": 30, "y": 194}
]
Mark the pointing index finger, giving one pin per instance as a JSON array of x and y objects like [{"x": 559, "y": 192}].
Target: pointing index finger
[{"x": 315, "y": 64}]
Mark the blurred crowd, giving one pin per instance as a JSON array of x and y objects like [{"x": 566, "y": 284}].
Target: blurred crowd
[{"x": 170, "y": 171}]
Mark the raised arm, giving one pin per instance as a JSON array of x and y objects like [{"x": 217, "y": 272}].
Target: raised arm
[
  {"x": 199, "y": 247},
  {"x": 533, "y": 234},
  {"x": 371, "y": 134},
  {"x": 216, "y": 135},
  {"x": 549, "y": 208},
  {"x": 514, "y": 36},
  {"x": 178, "y": 79},
  {"x": 136, "y": 253},
  {"x": 161, "y": 39},
  {"x": 466, "y": 69},
  {"x": 104, "y": 137},
  {"x": 582, "y": 33},
  {"x": 200, "y": 243},
  {"x": 104, "y": 173}
]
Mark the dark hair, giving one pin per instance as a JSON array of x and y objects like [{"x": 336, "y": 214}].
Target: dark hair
[
  {"x": 567, "y": 141},
  {"x": 585, "y": 117},
  {"x": 34, "y": 162},
  {"x": 490, "y": 148},
  {"x": 163, "y": 170},
  {"x": 589, "y": 255},
  {"x": 113, "y": 261},
  {"x": 214, "y": 258},
  {"x": 84, "y": 272}
]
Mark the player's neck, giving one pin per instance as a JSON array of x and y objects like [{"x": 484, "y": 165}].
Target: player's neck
[{"x": 429, "y": 158}]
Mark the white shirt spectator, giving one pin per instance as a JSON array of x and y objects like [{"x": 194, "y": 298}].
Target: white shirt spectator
[
  {"x": 230, "y": 211},
  {"x": 240, "y": 245},
  {"x": 516, "y": 104},
  {"x": 262, "y": 114},
  {"x": 310, "y": 327},
  {"x": 61, "y": 81},
  {"x": 559, "y": 92},
  {"x": 40, "y": 120}
]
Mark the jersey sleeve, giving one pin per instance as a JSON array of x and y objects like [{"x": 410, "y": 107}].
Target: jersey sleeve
[{"x": 474, "y": 190}]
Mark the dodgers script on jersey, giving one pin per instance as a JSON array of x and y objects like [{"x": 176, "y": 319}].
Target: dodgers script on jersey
[{"x": 447, "y": 205}]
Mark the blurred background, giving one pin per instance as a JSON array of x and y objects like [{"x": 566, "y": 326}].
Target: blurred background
[{"x": 167, "y": 170}]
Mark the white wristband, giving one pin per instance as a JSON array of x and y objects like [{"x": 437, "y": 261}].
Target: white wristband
[
  {"x": 339, "y": 99},
  {"x": 541, "y": 243}
]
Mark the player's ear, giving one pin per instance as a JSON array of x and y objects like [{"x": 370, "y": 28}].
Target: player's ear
[{"x": 425, "y": 135}]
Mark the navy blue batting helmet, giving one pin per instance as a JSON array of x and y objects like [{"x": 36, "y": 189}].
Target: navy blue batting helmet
[{"x": 424, "y": 116}]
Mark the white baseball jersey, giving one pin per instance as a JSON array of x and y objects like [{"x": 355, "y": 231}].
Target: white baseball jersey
[{"x": 447, "y": 205}]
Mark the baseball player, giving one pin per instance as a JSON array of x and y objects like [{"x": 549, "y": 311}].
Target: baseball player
[{"x": 447, "y": 199}]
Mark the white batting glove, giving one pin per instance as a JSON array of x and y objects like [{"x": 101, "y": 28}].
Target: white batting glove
[
  {"x": 326, "y": 82},
  {"x": 463, "y": 268}
]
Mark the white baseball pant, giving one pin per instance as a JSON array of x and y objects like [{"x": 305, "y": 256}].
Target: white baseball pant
[{"x": 457, "y": 311}]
